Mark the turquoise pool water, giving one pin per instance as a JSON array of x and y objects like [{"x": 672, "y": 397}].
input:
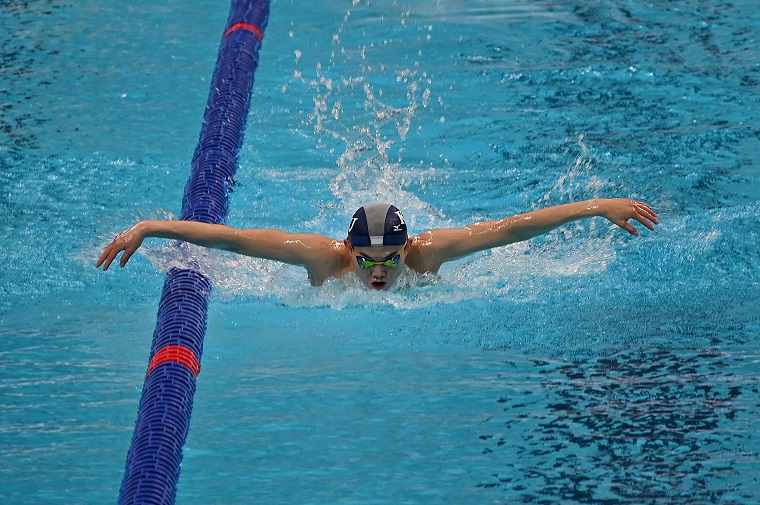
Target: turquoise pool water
[{"x": 583, "y": 367}]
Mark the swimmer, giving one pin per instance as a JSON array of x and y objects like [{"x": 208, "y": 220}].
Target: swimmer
[{"x": 378, "y": 247}]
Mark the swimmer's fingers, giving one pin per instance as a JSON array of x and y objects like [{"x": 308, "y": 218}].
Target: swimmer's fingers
[
  {"x": 129, "y": 242},
  {"x": 645, "y": 215},
  {"x": 105, "y": 259},
  {"x": 627, "y": 227},
  {"x": 621, "y": 211},
  {"x": 127, "y": 254},
  {"x": 109, "y": 254}
]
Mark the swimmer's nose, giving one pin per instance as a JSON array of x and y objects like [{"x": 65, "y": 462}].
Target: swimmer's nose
[{"x": 378, "y": 272}]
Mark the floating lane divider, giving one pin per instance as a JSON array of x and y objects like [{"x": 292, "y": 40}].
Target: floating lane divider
[{"x": 163, "y": 418}]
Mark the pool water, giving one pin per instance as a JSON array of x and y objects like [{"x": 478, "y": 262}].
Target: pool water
[{"x": 586, "y": 366}]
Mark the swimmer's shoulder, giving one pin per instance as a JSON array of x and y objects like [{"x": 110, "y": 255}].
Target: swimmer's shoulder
[
  {"x": 422, "y": 257},
  {"x": 329, "y": 258}
]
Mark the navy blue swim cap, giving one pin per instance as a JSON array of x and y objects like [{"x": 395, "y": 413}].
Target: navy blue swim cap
[{"x": 377, "y": 224}]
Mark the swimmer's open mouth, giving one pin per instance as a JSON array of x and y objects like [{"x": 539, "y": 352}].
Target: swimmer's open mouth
[{"x": 379, "y": 285}]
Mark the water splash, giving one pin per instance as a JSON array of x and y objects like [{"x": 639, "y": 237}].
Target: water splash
[
  {"x": 579, "y": 182},
  {"x": 363, "y": 113}
]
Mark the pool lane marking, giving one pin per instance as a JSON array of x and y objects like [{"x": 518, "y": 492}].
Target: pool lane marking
[
  {"x": 244, "y": 26},
  {"x": 175, "y": 354}
]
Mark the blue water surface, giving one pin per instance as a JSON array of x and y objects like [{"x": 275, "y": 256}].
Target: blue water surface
[{"x": 585, "y": 366}]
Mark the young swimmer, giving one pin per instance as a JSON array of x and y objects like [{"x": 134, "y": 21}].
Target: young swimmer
[{"x": 378, "y": 247}]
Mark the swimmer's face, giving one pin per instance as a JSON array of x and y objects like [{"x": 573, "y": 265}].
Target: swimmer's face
[{"x": 377, "y": 270}]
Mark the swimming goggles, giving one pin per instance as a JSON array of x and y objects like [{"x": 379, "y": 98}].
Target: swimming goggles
[{"x": 365, "y": 262}]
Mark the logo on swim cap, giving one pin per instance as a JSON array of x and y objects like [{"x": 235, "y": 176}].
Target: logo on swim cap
[{"x": 377, "y": 224}]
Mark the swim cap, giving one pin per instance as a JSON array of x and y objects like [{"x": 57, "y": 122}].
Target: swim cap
[{"x": 377, "y": 224}]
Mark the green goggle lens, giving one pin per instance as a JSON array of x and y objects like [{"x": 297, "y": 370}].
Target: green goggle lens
[{"x": 368, "y": 263}]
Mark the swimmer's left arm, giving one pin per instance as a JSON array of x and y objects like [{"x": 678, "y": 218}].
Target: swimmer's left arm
[
  {"x": 439, "y": 246},
  {"x": 315, "y": 252}
]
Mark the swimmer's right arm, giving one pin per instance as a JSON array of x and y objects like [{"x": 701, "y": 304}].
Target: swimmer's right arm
[{"x": 297, "y": 249}]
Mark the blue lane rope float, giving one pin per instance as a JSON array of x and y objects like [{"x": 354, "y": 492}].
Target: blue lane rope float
[{"x": 163, "y": 418}]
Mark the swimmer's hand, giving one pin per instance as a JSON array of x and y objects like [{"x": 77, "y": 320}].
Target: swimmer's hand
[
  {"x": 128, "y": 241},
  {"x": 620, "y": 210}
]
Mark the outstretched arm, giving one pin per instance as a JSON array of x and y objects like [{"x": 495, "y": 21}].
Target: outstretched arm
[
  {"x": 319, "y": 254},
  {"x": 439, "y": 246}
]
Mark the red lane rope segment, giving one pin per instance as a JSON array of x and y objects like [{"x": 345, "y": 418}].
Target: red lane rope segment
[
  {"x": 175, "y": 354},
  {"x": 245, "y": 26}
]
